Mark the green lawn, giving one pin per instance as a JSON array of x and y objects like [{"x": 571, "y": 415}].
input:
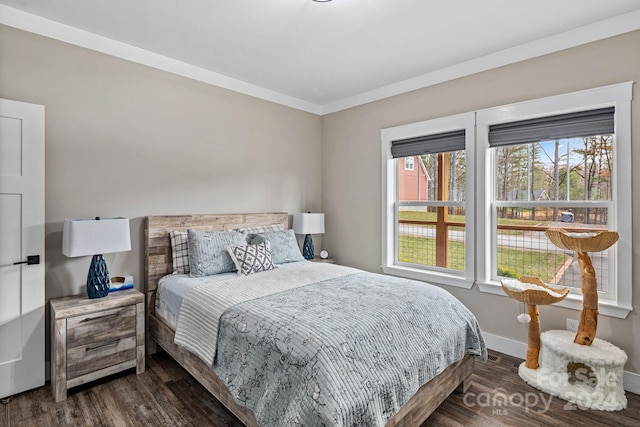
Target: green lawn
[
  {"x": 422, "y": 250},
  {"x": 512, "y": 262}
]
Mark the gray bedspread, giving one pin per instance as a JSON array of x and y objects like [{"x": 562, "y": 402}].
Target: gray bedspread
[{"x": 346, "y": 351}]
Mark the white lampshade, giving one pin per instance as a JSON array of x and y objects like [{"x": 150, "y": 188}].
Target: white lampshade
[
  {"x": 308, "y": 223},
  {"x": 82, "y": 237}
]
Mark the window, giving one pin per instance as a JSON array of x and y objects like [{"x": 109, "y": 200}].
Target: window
[
  {"x": 554, "y": 171},
  {"x": 408, "y": 163},
  {"x": 562, "y": 161},
  {"x": 428, "y": 229}
]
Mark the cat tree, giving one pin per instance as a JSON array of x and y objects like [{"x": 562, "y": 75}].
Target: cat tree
[{"x": 586, "y": 371}]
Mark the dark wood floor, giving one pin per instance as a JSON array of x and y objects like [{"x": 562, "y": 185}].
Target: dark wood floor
[{"x": 166, "y": 395}]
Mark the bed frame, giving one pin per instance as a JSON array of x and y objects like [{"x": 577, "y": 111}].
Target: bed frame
[{"x": 158, "y": 263}]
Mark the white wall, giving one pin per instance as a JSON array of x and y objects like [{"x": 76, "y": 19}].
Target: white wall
[
  {"x": 352, "y": 177},
  {"x": 127, "y": 140}
]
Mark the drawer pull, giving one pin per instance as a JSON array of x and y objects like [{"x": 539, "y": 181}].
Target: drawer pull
[
  {"x": 105, "y": 316},
  {"x": 98, "y": 347}
]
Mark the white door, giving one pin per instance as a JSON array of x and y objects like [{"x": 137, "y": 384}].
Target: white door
[{"x": 22, "y": 330}]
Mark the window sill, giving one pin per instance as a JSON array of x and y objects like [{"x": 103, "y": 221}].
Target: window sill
[
  {"x": 424, "y": 276},
  {"x": 574, "y": 302}
]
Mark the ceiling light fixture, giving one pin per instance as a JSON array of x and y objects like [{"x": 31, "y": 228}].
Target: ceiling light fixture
[{"x": 321, "y": 1}]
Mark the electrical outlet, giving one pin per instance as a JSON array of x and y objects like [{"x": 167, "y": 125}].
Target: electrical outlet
[{"x": 572, "y": 325}]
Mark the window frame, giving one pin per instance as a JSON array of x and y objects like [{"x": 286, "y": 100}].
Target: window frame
[
  {"x": 390, "y": 264},
  {"x": 618, "y": 96},
  {"x": 480, "y": 248}
]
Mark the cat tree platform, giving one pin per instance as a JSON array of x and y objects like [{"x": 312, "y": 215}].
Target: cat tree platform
[{"x": 589, "y": 376}]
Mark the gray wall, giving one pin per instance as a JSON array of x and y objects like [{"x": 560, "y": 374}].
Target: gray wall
[
  {"x": 352, "y": 179},
  {"x": 127, "y": 140}
]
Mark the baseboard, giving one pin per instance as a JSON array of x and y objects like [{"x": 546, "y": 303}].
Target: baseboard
[
  {"x": 505, "y": 345},
  {"x": 631, "y": 382},
  {"x": 518, "y": 349}
]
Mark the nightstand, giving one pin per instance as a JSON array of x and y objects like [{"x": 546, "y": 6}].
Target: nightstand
[
  {"x": 93, "y": 338},
  {"x": 327, "y": 260}
]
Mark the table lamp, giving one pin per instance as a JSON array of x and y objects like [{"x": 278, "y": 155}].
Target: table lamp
[
  {"x": 81, "y": 237},
  {"x": 308, "y": 224}
]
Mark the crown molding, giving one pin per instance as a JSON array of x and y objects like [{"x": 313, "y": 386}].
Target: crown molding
[
  {"x": 65, "y": 33},
  {"x": 586, "y": 34},
  {"x": 578, "y": 36}
]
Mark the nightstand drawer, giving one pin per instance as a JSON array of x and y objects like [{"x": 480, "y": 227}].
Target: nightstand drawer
[
  {"x": 94, "y": 329},
  {"x": 92, "y": 357},
  {"x": 98, "y": 340}
]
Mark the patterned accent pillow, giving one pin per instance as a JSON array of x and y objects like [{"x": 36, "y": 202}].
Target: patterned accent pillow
[
  {"x": 208, "y": 251},
  {"x": 179, "y": 252},
  {"x": 284, "y": 245},
  {"x": 251, "y": 259}
]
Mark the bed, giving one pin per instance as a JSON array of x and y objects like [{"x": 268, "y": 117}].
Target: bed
[{"x": 162, "y": 331}]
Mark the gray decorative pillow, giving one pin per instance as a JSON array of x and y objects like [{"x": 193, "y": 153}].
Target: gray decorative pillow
[
  {"x": 284, "y": 245},
  {"x": 251, "y": 259},
  {"x": 208, "y": 251},
  {"x": 179, "y": 252}
]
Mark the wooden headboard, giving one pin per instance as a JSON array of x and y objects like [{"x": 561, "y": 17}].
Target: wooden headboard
[{"x": 157, "y": 245}]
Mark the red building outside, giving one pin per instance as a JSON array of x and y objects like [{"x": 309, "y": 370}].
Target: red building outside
[{"x": 413, "y": 179}]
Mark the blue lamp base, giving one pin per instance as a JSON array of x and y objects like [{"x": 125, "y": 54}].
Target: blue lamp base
[
  {"x": 307, "y": 247},
  {"x": 98, "y": 278}
]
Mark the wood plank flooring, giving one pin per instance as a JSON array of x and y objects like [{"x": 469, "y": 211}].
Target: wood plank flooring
[{"x": 166, "y": 395}]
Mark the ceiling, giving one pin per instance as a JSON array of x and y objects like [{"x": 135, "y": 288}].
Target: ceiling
[{"x": 331, "y": 55}]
